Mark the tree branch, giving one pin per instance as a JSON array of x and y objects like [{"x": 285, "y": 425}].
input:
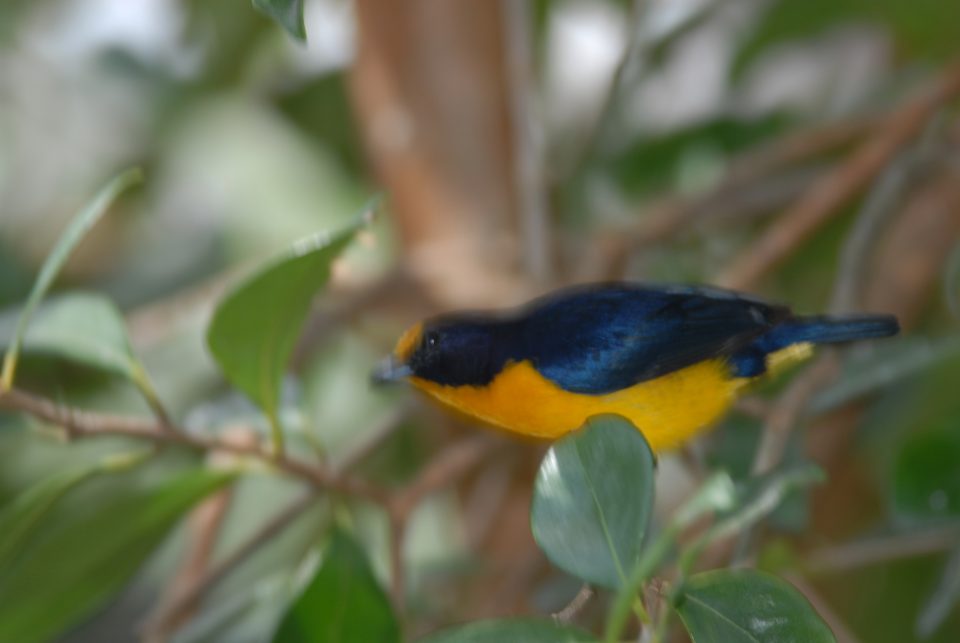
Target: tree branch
[
  {"x": 837, "y": 559},
  {"x": 761, "y": 181},
  {"x": 85, "y": 424},
  {"x": 826, "y": 198},
  {"x": 449, "y": 466}
]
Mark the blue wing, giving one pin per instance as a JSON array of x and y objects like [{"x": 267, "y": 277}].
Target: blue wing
[{"x": 605, "y": 338}]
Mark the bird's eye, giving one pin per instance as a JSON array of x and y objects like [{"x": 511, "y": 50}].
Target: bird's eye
[{"x": 433, "y": 339}]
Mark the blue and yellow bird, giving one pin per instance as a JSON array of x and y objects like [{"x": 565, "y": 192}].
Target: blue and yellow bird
[{"x": 671, "y": 359}]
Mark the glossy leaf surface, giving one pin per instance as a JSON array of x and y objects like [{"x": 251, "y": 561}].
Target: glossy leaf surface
[
  {"x": 592, "y": 500},
  {"x": 747, "y": 606}
]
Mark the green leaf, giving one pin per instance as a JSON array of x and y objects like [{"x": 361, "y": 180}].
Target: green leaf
[
  {"x": 527, "y": 630},
  {"x": 81, "y": 327},
  {"x": 926, "y": 480},
  {"x": 592, "y": 500},
  {"x": 73, "y": 565},
  {"x": 922, "y": 28},
  {"x": 747, "y": 606},
  {"x": 78, "y": 227},
  {"x": 288, "y": 13},
  {"x": 255, "y": 327},
  {"x": 343, "y": 602},
  {"x": 740, "y": 508},
  {"x": 19, "y": 519},
  {"x": 88, "y": 329}
]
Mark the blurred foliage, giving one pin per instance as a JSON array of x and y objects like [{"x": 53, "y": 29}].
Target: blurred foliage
[
  {"x": 685, "y": 157},
  {"x": 343, "y": 601},
  {"x": 76, "y": 562},
  {"x": 927, "y": 476},
  {"x": 925, "y": 29},
  {"x": 249, "y": 141}
]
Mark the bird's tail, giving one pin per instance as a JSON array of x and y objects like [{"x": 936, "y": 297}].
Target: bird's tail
[{"x": 829, "y": 330}]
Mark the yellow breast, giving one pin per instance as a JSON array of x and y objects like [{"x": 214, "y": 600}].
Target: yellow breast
[{"x": 669, "y": 409}]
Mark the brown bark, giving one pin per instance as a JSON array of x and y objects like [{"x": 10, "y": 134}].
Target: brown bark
[{"x": 431, "y": 90}]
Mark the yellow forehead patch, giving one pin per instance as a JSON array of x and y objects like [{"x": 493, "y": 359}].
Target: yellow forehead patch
[{"x": 408, "y": 342}]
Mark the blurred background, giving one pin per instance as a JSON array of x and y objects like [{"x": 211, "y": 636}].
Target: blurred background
[{"x": 804, "y": 150}]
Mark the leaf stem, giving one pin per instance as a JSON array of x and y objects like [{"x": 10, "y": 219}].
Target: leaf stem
[
  {"x": 141, "y": 379},
  {"x": 651, "y": 558},
  {"x": 276, "y": 435}
]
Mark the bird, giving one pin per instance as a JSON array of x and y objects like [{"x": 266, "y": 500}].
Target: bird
[{"x": 671, "y": 359}]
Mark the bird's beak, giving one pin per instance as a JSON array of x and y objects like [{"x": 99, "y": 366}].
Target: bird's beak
[{"x": 390, "y": 370}]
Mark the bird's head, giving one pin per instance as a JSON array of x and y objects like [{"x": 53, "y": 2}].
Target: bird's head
[{"x": 450, "y": 351}]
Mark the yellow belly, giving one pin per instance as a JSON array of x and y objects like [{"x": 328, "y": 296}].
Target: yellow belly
[{"x": 668, "y": 410}]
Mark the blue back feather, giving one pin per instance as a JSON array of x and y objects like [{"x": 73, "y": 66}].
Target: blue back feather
[{"x": 604, "y": 338}]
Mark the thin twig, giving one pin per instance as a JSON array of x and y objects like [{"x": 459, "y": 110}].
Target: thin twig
[
  {"x": 607, "y": 256},
  {"x": 398, "y": 573},
  {"x": 448, "y": 467},
  {"x": 735, "y": 197},
  {"x": 757, "y": 182},
  {"x": 798, "y": 146},
  {"x": 878, "y": 206},
  {"x": 840, "y": 558},
  {"x": 84, "y": 424},
  {"x": 173, "y": 613},
  {"x": 826, "y": 198},
  {"x": 571, "y": 609}
]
